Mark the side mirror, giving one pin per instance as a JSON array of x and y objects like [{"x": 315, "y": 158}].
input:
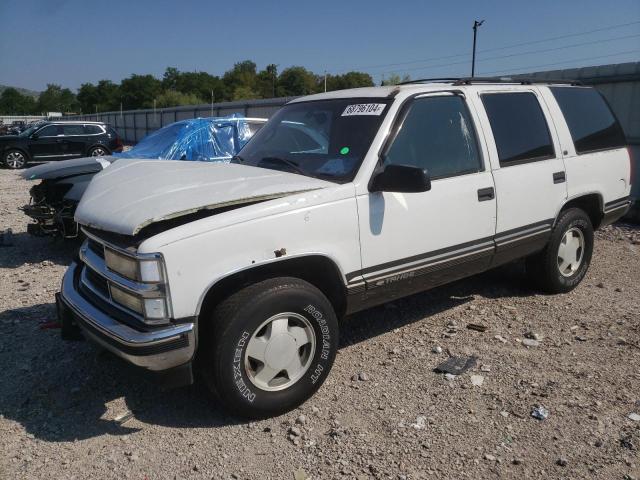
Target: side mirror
[{"x": 401, "y": 178}]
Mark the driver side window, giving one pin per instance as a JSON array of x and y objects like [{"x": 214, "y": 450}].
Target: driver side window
[
  {"x": 437, "y": 134},
  {"x": 50, "y": 131}
]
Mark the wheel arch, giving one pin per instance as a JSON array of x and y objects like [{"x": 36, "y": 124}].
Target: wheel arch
[
  {"x": 319, "y": 270},
  {"x": 22, "y": 150},
  {"x": 101, "y": 145},
  {"x": 591, "y": 203}
]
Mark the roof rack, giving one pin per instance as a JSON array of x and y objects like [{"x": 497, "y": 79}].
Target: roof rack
[
  {"x": 431, "y": 80},
  {"x": 474, "y": 80}
]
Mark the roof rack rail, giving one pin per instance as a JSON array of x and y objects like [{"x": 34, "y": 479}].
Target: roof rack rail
[
  {"x": 434, "y": 80},
  {"x": 522, "y": 80},
  {"x": 474, "y": 80}
]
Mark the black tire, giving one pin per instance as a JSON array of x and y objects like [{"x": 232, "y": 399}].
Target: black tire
[
  {"x": 99, "y": 151},
  {"x": 543, "y": 268},
  {"x": 222, "y": 357},
  {"x": 14, "y": 159}
]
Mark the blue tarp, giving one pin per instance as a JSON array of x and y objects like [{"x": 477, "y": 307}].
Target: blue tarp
[{"x": 200, "y": 139}]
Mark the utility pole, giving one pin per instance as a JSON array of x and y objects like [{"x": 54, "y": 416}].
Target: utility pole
[
  {"x": 325, "y": 81},
  {"x": 155, "y": 117},
  {"x": 212, "y": 103},
  {"x": 476, "y": 24}
]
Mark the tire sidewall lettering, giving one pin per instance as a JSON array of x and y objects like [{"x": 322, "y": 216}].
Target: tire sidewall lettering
[{"x": 237, "y": 367}]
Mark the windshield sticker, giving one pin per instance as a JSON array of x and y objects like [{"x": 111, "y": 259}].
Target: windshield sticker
[
  {"x": 363, "y": 109},
  {"x": 344, "y": 150}
]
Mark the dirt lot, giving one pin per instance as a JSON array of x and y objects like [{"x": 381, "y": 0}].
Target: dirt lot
[{"x": 70, "y": 411}]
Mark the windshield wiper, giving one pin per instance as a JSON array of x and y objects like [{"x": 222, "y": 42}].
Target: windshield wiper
[{"x": 284, "y": 161}]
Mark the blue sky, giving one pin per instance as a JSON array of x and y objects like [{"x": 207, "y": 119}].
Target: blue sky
[{"x": 70, "y": 42}]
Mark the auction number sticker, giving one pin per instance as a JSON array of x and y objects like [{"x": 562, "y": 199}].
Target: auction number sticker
[{"x": 363, "y": 109}]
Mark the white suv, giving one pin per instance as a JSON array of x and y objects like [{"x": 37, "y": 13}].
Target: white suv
[{"x": 344, "y": 200}]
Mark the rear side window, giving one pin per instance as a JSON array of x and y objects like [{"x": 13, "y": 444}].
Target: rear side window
[
  {"x": 519, "y": 127},
  {"x": 437, "y": 134},
  {"x": 590, "y": 120},
  {"x": 92, "y": 130},
  {"x": 73, "y": 129}
]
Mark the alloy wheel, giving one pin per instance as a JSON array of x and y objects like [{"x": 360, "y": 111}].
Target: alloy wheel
[
  {"x": 98, "y": 152},
  {"x": 15, "y": 160}
]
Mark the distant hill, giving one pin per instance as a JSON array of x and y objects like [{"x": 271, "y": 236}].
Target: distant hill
[{"x": 23, "y": 91}]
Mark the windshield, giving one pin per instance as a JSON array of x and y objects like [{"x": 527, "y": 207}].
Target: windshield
[
  {"x": 326, "y": 139},
  {"x": 30, "y": 130}
]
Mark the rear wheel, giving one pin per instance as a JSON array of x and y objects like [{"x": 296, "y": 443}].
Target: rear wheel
[
  {"x": 14, "y": 159},
  {"x": 98, "y": 152},
  {"x": 564, "y": 262},
  {"x": 269, "y": 347}
]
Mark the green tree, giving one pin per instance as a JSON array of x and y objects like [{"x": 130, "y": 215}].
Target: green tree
[
  {"x": 12, "y": 102},
  {"x": 57, "y": 99},
  {"x": 240, "y": 80},
  {"x": 395, "y": 79},
  {"x": 295, "y": 81},
  {"x": 109, "y": 95},
  {"x": 348, "y": 80},
  {"x": 171, "y": 98},
  {"x": 88, "y": 97},
  {"x": 267, "y": 82},
  {"x": 170, "y": 78},
  {"x": 139, "y": 91},
  {"x": 201, "y": 84},
  {"x": 104, "y": 97}
]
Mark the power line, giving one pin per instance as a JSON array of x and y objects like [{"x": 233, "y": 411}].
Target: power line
[
  {"x": 532, "y": 42},
  {"x": 511, "y": 70},
  {"x": 426, "y": 67}
]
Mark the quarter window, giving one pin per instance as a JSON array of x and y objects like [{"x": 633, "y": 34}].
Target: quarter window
[
  {"x": 591, "y": 123},
  {"x": 437, "y": 134},
  {"x": 92, "y": 130},
  {"x": 519, "y": 127}
]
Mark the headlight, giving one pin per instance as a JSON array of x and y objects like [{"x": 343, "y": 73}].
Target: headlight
[
  {"x": 140, "y": 270},
  {"x": 122, "y": 264},
  {"x": 126, "y": 299}
]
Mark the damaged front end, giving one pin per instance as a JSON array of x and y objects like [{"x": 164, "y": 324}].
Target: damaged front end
[
  {"x": 54, "y": 200},
  {"x": 51, "y": 211}
]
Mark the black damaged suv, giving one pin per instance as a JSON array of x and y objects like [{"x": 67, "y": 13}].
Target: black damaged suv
[{"x": 58, "y": 140}]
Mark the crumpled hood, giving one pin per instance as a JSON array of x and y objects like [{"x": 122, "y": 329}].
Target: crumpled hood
[
  {"x": 67, "y": 168},
  {"x": 132, "y": 194}
]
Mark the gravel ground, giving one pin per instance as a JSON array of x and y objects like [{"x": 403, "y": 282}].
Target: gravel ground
[{"x": 68, "y": 410}]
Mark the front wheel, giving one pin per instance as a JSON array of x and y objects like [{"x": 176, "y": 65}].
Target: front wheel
[
  {"x": 564, "y": 262},
  {"x": 15, "y": 159},
  {"x": 269, "y": 347}
]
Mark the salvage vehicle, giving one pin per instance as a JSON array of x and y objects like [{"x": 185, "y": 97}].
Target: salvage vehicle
[
  {"x": 245, "y": 269},
  {"x": 54, "y": 200},
  {"x": 47, "y": 141}
]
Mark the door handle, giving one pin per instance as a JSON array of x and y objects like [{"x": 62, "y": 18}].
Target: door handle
[
  {"x": 485, "y": 194},
  {"x": 559, "y": 177}
]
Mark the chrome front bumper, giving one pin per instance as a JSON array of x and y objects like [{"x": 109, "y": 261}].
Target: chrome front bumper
[{"x": 157, "y": 350}]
